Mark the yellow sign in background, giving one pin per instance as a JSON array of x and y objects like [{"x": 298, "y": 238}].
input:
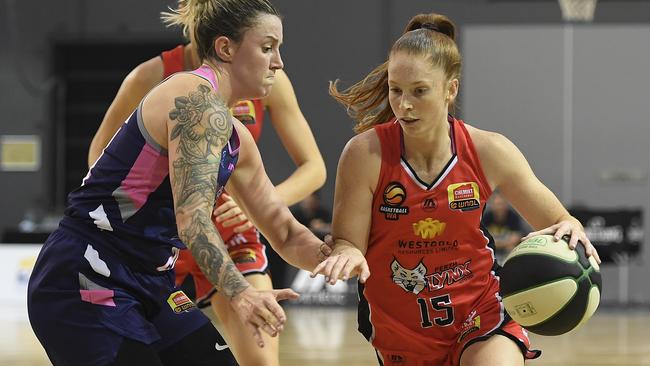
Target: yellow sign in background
[{"x": 20, "y": 152}]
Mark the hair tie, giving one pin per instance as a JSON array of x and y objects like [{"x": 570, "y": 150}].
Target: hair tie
[{"x": 430, "y": 26}]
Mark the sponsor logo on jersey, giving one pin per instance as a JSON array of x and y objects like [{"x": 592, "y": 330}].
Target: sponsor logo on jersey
[
  {"x": 428, "y": 228},
  {"x": 416, "y": 280},
  {"x": 429, "y": 204},
  {"x": 464, "y": 196},
  {"x": 244, "y": 111},
  {"x": 179, "y": 302},
  {"x": 394, "y": 196},
  {"x": 472, "y": 324},
  {"x": 425, "y": 246},
  {"x": 397, "y": 359},
  {"x": 244, "y": 255},
  {"x": 236, "y": 240}
]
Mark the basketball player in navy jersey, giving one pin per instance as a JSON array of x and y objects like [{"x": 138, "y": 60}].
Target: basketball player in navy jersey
[
  {"x": 411, "y": 188},
  {"x": 102, "y": 290},
  {"x": 242, "y": 239}
]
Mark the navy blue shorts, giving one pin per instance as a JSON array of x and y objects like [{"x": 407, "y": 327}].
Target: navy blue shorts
[{"x": 83, "y": 301}]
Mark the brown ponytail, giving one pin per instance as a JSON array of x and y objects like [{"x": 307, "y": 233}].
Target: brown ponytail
[{"x": 430, "y": 35}]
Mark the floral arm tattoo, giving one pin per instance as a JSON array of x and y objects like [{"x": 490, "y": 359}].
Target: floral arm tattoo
[{"x": 203, "y": 127}]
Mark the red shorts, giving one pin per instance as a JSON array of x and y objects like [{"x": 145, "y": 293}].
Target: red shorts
[
  {"x": 451, "y": 354},
  {"x": 246, "y": 251},
  {"x": 400, "y": 338}
]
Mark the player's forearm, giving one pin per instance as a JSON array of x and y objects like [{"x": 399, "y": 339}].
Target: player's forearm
[
  {"x": 204, "y": 242},
  {"x": 306, "y": 179},
  {"x": 341, "y": 244},
  {"x": 290, "y": 239},
  {"x": 302, "y": 248}
]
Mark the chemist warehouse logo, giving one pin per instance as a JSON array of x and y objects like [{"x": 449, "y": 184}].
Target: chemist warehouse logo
[
  {"x": 394, "y": 196},
  {"x": 179, "y": 302},
  {"x": 464, "y": 196}
]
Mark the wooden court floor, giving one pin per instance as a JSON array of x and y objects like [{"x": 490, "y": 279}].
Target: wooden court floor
[{"x": 328, "y": 336}]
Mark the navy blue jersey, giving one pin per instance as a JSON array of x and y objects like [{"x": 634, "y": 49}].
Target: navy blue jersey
[{"x": 125, "y": 202}]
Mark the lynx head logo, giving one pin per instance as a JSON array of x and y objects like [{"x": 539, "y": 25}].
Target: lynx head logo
[
  {"x": 394, "y": 194},
  {"x": 428, "y": 228},
  {"x": 411, "y": 280}
]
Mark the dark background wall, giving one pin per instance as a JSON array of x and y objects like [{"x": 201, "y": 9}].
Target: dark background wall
[
  {"x": 324, "y": 40},
  {"x": 576, "y": 101}
]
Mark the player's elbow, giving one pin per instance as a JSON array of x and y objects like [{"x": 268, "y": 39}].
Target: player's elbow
[{"x": 320, "y": 173}]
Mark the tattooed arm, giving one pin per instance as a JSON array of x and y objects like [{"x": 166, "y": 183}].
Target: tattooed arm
[
  {"x": 198, "y": 125},
  {"x": 199, "y": 128}
]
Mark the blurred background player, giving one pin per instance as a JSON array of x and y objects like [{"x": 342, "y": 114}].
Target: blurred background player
[
  {"x": 504, "y": 224},
  {"x": 242, "y": 239},
  {"x": 311, "y": 213}
]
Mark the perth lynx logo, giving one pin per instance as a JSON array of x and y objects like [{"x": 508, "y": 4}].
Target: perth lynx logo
[
  {"x": 411, "y": 280},
  {"x": 428, "y": 228},
  {"x": 416, "y": 279}
]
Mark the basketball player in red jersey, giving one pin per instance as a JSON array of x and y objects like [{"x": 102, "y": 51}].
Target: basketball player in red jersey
[
  {"x": 241, "y": 238},
  {"x": 411, "y": 188}
]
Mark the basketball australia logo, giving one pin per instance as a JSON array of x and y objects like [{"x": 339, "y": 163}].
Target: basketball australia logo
[{"x": 394, "y": 196}]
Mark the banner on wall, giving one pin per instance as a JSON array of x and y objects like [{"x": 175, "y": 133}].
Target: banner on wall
[
  {"x": 614, "y": 233},
  {"x": 16, "y": 264}
]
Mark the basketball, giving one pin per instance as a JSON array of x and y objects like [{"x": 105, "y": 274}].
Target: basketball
[{"x": 548, "y": 288}]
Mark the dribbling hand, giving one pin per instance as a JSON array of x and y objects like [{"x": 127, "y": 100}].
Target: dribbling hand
[
  {"x": 572, "y": 229},
  {"x": 260, "y": 311}
]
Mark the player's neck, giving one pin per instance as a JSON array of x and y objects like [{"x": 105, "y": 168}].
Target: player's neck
[
  {"x": 224, "y": 87},
  {"x": 430, "y": 147},
  {"x": 191, "y": 59}
]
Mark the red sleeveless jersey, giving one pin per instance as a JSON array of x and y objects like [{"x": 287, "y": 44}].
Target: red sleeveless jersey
[
  {"x": 430, "y": 260},
  {"x": 249, "y": 112}
]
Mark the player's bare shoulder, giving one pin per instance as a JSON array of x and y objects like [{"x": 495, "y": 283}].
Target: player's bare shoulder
[
  {"x": 365, "y": 145},
  {"x": 488, "y": 144},
  {"x": 143, "y": 78},
  {"x": 179, "y": 89},
  {"x": 185, "y": 99},
  {"x": 500, "y": 158},
  {"x": 361, "y": 158}
]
